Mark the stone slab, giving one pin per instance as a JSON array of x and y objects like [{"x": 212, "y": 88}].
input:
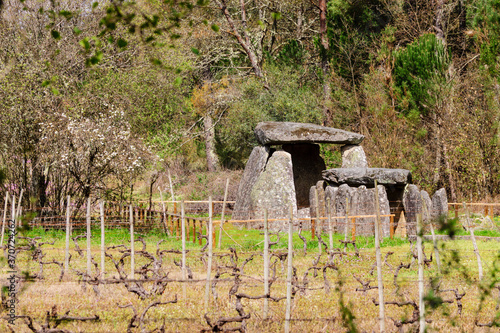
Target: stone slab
[
  {"x": 254, "y": 167},
  {"x": 277, "y": 133},
  {"x": 274, "y": 190},
  {"x": 439, "y": 205},
  {"x": 367, "y": 176}
]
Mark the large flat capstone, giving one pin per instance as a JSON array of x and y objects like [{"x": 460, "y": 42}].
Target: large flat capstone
[
  {"x": 277, "y": 133},
  {"x": 367, "y": 176}
]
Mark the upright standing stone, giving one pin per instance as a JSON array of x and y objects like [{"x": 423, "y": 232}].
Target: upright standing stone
[
  {"x": 439, "y": 205},
  {"x": 385, "y": 209},
  {"x": 363, "y": 203},
  {"x": 426, "y": 207},
  {"x": 254, "y": 167},
  {"x": 344, "y": 193},
  {"x": 307, "y": 168},
  {"x": 412, "y": 203},
  {"x": 274, "y": 190},
  {"x": 353, "y": 156}
]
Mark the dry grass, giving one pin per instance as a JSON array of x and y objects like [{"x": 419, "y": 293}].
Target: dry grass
[{"x": 312, "y": 310}]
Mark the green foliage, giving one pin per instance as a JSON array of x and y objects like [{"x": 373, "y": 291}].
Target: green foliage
[
  {"x": 290, "y": 99},
  {"x": 419, "y": 75},
  {"x": 484, "y": 16}
]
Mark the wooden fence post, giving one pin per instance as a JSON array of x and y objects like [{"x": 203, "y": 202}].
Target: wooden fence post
[
  {"x": 132, "y": 252},
  {"x": 89, "y": 254},
  {"x": 353, "y": 231},
  {"x": 391, "y": 226},
  {"x": 4, "y": 216},
  {"x": 379, "y": 263},
  {"x": 222, "y": 214},
  {"x": 346, "y": 218},
  {"x": 18, "y": 212},
  {"x": 289, "y": 273}
]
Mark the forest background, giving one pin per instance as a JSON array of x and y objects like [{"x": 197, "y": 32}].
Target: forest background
[{"x": 102, "y": 98}]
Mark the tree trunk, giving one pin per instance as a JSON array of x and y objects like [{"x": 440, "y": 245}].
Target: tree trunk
[
  {"x": 212, "y": 158},
  {"x": 324, "y": 62}
]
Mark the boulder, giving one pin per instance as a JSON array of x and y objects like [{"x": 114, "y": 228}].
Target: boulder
[
  {"x": 254, "y": 167},
  {"x": 277, "y": 133},
  {"x": 307, "y": 168},
  {"x": 412, "y": 202},
  {"x": 353, "y": 156},
  {"x": 274, "y": 189},
  {"x": 439, "y": 205},
  {"x": 367, "y": 176}
]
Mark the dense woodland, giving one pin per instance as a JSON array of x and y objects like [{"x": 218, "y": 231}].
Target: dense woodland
[{"x": 97, "y": 96}]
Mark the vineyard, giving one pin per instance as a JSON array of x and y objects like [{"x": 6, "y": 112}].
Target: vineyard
[{"x": 265, "y": 276}]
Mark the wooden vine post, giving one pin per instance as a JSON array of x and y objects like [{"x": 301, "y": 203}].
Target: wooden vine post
[
  {"x": 266, "y": 264},
  {"x": 473, "y": 238},
  {"x": 66, "y": 249},
  {"x": 132, "y": 252},
  {"x": 183, "y": 235},
  {"x": 317, "y": 218},
  {"x": 379, "y": 263},
  {"x": 222, "y": 214},
  {"x": 289, "y": 273},
  {"x": 89, "y": 254},
  {"x": 4, "y": 217},
  {"x": 209, "y": 261},
  {"x": 421, "y": 291},
  {"x": 103, "y": 240},
  {"x": 330, "y": 227}
]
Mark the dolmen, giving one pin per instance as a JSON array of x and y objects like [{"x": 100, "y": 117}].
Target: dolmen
[{"x": 286, "y": 172}]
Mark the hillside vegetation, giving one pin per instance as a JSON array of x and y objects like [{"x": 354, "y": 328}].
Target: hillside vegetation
[{"x": 99, "y": 96}]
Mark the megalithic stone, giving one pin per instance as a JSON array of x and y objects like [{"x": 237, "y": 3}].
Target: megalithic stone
[
  {"x": 274, "y": 190},
  {"x": 353, "y": 156},
  {"x": 278, "y": 133},
  {"x": 439, "y": 205},
  {"x": 254, "y": 167},
  {"x": 412, "y": 203}
]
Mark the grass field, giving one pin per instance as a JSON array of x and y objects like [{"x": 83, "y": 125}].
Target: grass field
[{"x": 314, "y": 309}]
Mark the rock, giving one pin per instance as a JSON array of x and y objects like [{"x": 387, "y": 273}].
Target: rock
[
  {"x": 426, "y": 207},
  {"x": 353, "y": 156},
  {"x": 367, "y": 176},
  {"x": 330, "y": 193},
  {"x": 385, "y": 209},
  {"x": 277, "y": 133},
  {"x": 412, "y": 203},
  {"x": 439, "y": 205},
  {"x": 307, "y": 168},
  {"x": 320, "y": 205},
  {"x": 363, "y": 203},
  {"x": 254, "y": 167},
  {"x": 274, "y": 190},
  {"x": 343, "y": 196}
]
